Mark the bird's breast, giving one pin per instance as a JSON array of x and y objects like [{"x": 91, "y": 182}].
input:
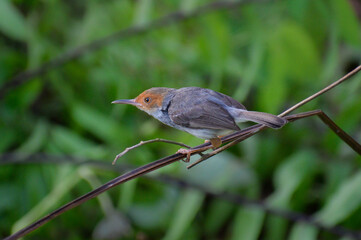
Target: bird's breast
[{"x": 162, "y": 115}]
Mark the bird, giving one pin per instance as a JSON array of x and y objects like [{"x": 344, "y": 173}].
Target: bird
[{"x": 202, "y": 112}]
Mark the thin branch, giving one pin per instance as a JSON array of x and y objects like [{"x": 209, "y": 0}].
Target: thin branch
[
  {"x": 167, "y": 20},
  {"x": 291, "y": 118},
  {"x": 329, "y": 87},
  {"x": 141, "y": 143},
  {"x": 331, "y": 124},
  {"x": 148, "y": 168},
  {"x": 167, "y": 179},
  {"x": 234, "y": 142}
]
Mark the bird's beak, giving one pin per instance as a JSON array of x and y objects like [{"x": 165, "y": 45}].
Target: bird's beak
[{"x": 126, "y": 101}]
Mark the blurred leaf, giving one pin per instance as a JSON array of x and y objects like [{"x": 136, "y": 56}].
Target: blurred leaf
[
  {"x": 252, "y": 70},
  {"x": 12, "y": 23},
  {"x": 24, "y": 95},
  {"x": 97, "y": 123},
  {"x": 154, "y": 213},
  {"x": 188, "y": 206},
  {"x": 298, "y": 7},
  {"x": 113, "y": 226},
  {"x": 68, "y": 180},
  {"x": 343, "y": 202},
  {"x": 290, "y": 175},
  {"x": 274, "y": 90},
  {"x": 224, "y": 171},
  {"x": 276, "y": 228},
  {"x": 8, "y": 192},
  {"x": 336, "y": 174},
  {"x": 143, "y": 12},
  {"x": 332, "y": 58},
  {"x": 36, "y": 49},
  {"x": 347, "y": 22},
  {"x": 219, "y": 212},
  {"x": 127, "y": 191},
  {"x": 303, "y": 232},
  {"x": 303, "y": 58},
  {"x": 8, "y": 137},
  {"x": 36, "y": 139},
  {"x": 70, "y": 142},
  {"x": 291, "y": 56},
  {"x": 214, "y": 47},
  {"x": 295, "y": 170},
  {"x": 188, "y": 5},
  {"x": 248, "y": 224}
]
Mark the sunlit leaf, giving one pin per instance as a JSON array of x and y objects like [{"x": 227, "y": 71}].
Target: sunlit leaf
[
  {"x": 347, "y": 22},
  {"x": 143, "y": 12},
  {"x": 36, "y": 139},
  {"x": 303, "y": 232},
  {"x": 296, "y": 169},
  {"x": 219, "y": 212},
  {"x": 274, "y": 89},
  {"x": 12, "y": 23},
  {"x": 187, "y": 208},
  {"x": 343, "y": 202},
  {"x": 248, "y": 224},
  {"x": 70, "y": 142},
  {"x": 97, "y": 123}
]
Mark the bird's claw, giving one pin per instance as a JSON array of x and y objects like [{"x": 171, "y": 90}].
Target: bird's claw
[{"x": 187, "y": 152}]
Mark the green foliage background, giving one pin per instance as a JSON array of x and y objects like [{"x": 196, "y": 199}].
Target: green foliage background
[{"x": 267, "y": 55}]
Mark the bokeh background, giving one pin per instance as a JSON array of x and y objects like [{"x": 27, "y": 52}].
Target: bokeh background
[{"x": 59, "y": 133}]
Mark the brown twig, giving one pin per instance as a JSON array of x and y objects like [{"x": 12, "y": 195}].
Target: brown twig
[
  {"x": 234, "y": 142},
  {"x": 329, "y": 87},
  {"x": 291, "y": 118},
  {"x": 344, "y": 136},
  {"x": 141, "y": 143},
  {"x": 122, "y": 34},
  {"x": 167, "y": 179},
  {"x": 153, "y": 166}
]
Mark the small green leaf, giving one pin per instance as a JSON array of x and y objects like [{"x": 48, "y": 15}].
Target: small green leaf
[
  {"x": 343, "y": 202},
  {"x": 188, "y": 6},
  {"x": 127, "y": 192},
  {"x": 251, "y": 71},
  {"x": 64, "y": 184},
  {"x": 248, "y": 224},
  {"x": 70, "y": 142},
  {"x": 217, "y": 215},
  {"x": 303, "y": 232},
  {"x": 347, "y": 21},
  {"x": 303, "y": 56},
  {"x": 290, "y": 175},
  {"x": 143, "y": 12},
  {"x": 12, "y": 23},
  {"x": 274, "y": 89},
  {"x": 187, "y": 208},
  {"x": 97, "y": 123},
  {"x": 36, "y": 139},
  {"x": 276, "y": 228},
  {"x": 8, "y": 137}
]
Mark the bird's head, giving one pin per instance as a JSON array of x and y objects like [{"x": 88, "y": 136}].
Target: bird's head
[{"x": 150, "y": 100}]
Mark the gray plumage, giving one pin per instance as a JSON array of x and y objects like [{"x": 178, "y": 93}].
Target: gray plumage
[
  {"x": 200, "y": 108},
  {"x": 199, "y": 111}
]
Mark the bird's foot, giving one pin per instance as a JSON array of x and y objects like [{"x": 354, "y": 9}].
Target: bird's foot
[
  {"x": 188, "y": 152},
  {"x": 215, "y": 143}
]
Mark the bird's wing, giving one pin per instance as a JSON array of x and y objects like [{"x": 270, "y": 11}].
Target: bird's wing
[
  {"x": 200, "y": 114},
  {"x": 227, "y": 100}
]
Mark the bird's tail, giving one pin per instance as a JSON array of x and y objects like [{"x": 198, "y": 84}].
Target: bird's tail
[{"x": 267, "y": 119}]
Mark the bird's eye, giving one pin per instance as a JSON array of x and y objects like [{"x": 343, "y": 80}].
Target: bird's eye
[{"x": 147, "y": 99}]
